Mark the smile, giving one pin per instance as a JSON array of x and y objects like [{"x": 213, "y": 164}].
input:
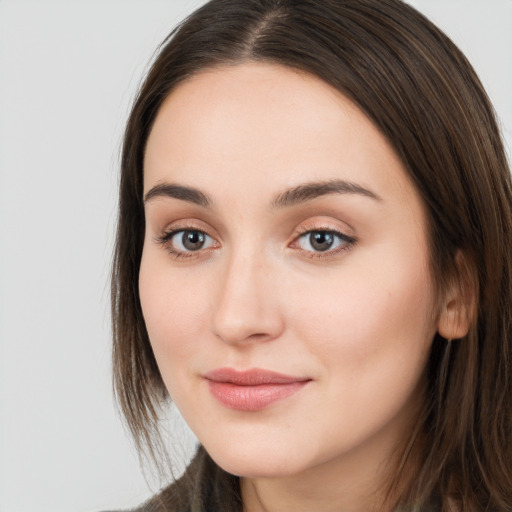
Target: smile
[{"x": 252, "y": 390}]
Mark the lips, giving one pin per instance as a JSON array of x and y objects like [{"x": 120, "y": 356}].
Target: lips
[{"x": 252, "y": 390}]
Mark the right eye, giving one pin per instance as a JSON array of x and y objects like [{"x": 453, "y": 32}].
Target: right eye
[{"x": 183, "y": 242}]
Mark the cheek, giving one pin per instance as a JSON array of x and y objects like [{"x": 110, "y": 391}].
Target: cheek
[
  {"x": 368, "y": 318},
  {"x": 174, "y": 310},
  {"x": 369, "y": 333}
]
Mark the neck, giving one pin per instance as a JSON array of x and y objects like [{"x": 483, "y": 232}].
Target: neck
[
  {"x": 358, "y": 481},
  {"x": 351, "y": 485}
]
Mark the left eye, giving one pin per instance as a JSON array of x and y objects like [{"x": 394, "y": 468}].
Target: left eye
[
  {"x": 190, "y": 240},
  {"x": 322, "y": 241}
]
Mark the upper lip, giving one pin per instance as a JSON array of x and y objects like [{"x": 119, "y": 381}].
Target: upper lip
[{"x": 252, "y": 377}]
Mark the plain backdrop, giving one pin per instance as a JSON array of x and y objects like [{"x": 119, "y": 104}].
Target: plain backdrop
[{"x": 68, "y": 72}]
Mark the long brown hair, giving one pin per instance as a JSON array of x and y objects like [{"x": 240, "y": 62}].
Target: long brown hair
[{"x": 424, "y": 96}]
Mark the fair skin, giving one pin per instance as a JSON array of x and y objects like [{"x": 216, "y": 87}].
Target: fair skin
[{"x": 328, "y": 285}]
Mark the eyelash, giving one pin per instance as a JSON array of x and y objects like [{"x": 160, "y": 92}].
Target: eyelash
[
  {"x": 166, "y": 237},
  {"x": 346, "y": 242}
]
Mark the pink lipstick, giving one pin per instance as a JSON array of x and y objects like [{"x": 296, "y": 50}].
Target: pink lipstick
[{"x": 252, "y": 390}]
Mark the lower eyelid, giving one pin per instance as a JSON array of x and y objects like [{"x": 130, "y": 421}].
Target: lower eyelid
[
  {"x": 346, "y": 242},
  {"x": 165, "y": 240}
]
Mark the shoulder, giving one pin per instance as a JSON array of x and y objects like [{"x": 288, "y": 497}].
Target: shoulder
[
  {"x": 156, "y": 504},
  {"x": 153, "y": 505},
  {"x": 203, "y": 486}
]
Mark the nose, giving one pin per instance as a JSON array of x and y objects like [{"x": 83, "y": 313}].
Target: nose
[{"x": 247, "y": 307}]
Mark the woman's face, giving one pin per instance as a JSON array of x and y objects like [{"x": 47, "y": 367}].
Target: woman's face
[{"x": 285, "y": 278}]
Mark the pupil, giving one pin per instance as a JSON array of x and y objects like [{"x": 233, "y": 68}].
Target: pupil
[
  {"x": 193, "y": 240},
  {"x": 321, "y": 240}
]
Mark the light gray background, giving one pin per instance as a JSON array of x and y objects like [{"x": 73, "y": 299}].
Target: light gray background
[{"x": 68, "y": 71}]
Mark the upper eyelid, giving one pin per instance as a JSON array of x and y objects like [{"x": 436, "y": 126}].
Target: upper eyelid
[
  {"x": 168, "y": 235},
  {"x": 188, "y": 225},
  {"x": 301, "y": 229}
]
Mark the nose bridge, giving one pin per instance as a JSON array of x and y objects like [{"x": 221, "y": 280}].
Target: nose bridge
[{"x": 246, "y": 307}]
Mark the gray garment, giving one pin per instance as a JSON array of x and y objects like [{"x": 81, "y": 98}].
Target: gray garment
[{"x": 434, "y": 506}]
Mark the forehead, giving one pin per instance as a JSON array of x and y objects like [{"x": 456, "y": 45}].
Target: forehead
[{"x": 246, "y": 126}]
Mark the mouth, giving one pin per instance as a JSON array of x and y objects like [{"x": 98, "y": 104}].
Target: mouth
[{"x": 252, "y": 390}]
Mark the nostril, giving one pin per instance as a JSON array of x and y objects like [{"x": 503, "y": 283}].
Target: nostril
[{"x": 258, "y": 327}]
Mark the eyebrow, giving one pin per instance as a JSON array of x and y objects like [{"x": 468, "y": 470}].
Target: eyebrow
[
  {"x": 308, "y": 191},
  {"x": 190, "y": 194},
  {"x": 293, "y": 196}
]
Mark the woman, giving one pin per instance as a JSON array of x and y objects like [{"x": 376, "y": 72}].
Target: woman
[{"x": 313, "y": 262}]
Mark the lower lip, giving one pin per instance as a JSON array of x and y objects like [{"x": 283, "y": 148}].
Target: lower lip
[{"x": 252, "y": 398}]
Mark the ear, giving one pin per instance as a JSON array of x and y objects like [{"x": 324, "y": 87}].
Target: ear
[{"x": 458, "y": 309}]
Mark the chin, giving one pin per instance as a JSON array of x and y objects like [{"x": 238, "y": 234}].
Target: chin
[{"x": 258, "y": 462}]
